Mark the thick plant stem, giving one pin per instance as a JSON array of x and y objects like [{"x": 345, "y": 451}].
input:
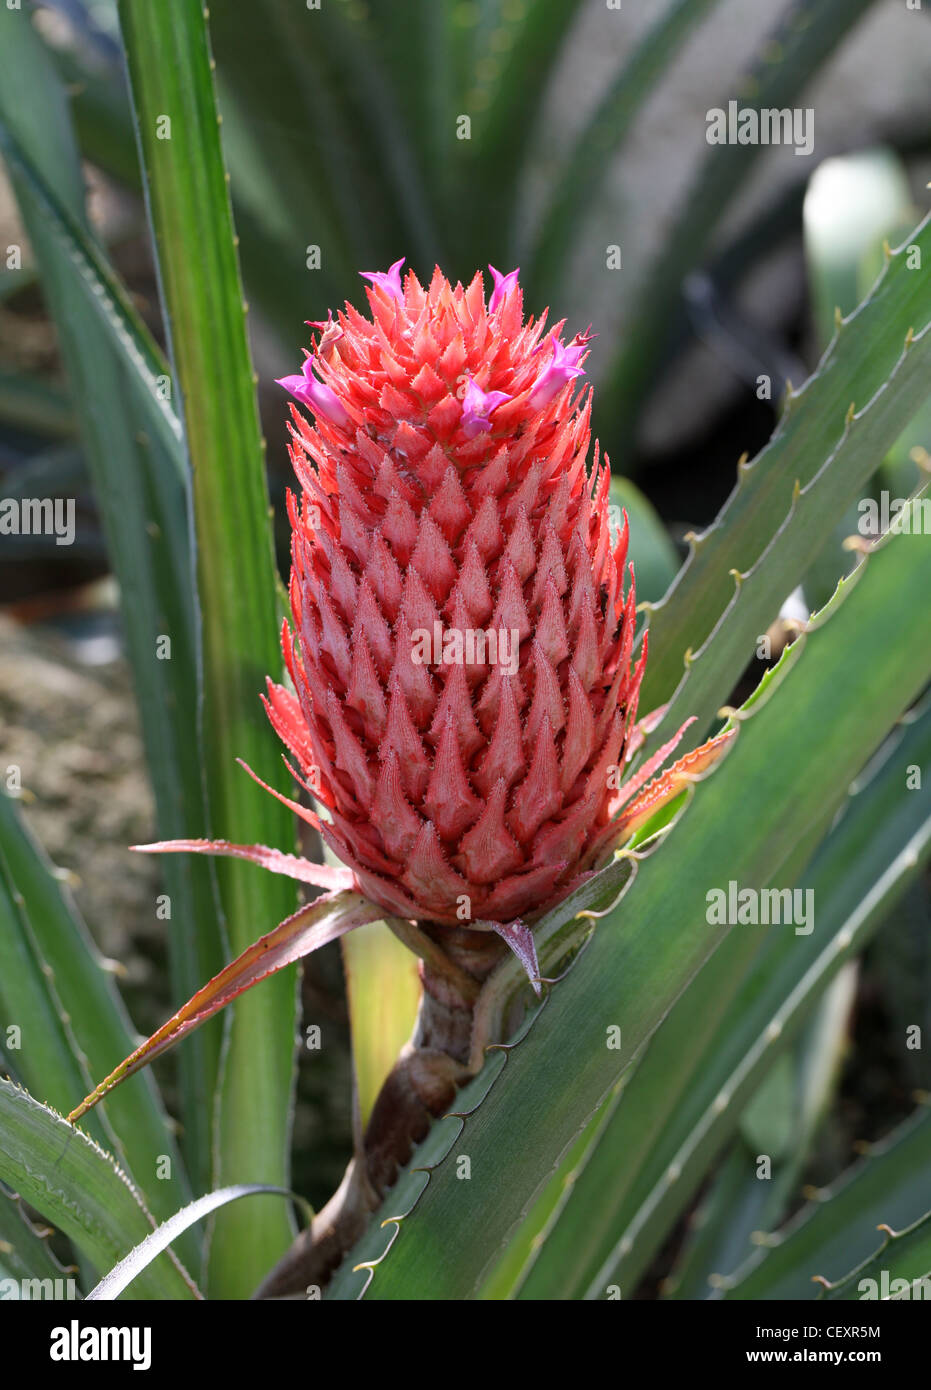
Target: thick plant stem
[{"x": 419, "y": 1088}]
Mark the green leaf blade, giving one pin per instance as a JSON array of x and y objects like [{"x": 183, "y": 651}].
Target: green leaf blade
[
  {"x": 133, "y": 446},
  {"x": 178, "y": 132},
  {"x": 74, "y": 1184}
]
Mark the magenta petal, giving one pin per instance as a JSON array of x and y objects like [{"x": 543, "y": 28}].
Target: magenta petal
[
  {"x": 389, "y": 281},
  {"x": 565, "y": 366},
  {"x": 503, "y": 286},
  {"x": 297, "y": 385},
  {"x": 477, "y": 405},
  {"x": 309, "y": 391}
]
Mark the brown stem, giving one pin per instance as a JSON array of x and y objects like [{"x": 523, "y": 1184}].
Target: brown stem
[{"x": 419, "y": 1088}]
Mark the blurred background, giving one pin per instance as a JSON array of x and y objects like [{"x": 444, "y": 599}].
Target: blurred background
[{"x": 564, "y": 136}]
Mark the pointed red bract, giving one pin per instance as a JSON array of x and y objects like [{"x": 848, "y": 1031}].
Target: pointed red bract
[
  {"x": 291, "y": 865},
  {"x": 326, "y": 918}
]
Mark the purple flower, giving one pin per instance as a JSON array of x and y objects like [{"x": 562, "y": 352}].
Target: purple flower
[
  {"x": 563, "y": 367},
  {"x": 503, "y": 286},
  {"x": 389, "y": 281},
  {"x": 307, "y": 389},
  {"x": 477, "y": 405}
]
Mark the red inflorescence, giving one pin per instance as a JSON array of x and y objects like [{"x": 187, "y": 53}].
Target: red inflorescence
[{"x": 462, "y": 641}]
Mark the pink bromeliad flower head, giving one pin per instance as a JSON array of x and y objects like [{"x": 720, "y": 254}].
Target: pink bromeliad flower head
[{"x": 462, "y": 644}]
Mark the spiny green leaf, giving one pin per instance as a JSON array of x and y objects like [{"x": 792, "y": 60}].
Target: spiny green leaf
[
  {"x": 876, "y": 849},
  {"x": 25, "y": 1253},
  {"x": 73, "y": 1023},
  {"x": 838, "y": 1229},
  {"x": 821, "y": 454},
  {"x": 639, "y": 961},
  {"x": 76, "y": 1185},
  {"x": 780, "y": 1122}
]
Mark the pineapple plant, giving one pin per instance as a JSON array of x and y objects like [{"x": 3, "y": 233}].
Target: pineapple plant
[{"x": 510, "y": 776}]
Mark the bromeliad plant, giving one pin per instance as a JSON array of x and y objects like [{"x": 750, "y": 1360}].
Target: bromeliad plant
[
  {"x": 465, "y": 670},
  {"x": 463, "y": 693}
]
